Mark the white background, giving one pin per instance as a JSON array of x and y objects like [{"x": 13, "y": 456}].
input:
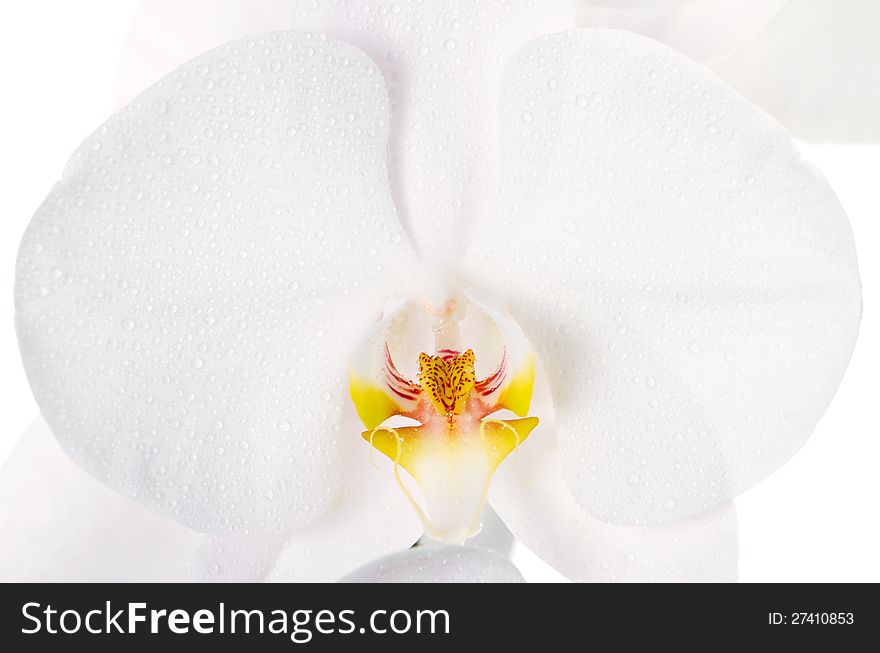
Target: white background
[{"x": 815, "y": 519}]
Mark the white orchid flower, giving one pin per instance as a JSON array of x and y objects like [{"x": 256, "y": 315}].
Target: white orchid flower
[
  {"x": 801, "y": 60},
  {"x": 571, "y": 257}
]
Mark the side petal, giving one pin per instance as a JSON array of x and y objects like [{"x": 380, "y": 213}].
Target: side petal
[
  {"x": 438, "y": 564},
  {"x": 807, "y": 67},
  {"x": 59, "y": 524},
  {"x": 688, "y": 282},
  {"x": 188, "y": 294},
  {"x": 703, "y": 30}
]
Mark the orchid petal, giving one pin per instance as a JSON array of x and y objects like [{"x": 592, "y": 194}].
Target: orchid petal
[
  {"x": 369, "y": 518},
  {"x": 532, "y": 498},
  {"x": 704, "y": 30},
  {"x": 690, "y": 285},
  {"x": 59, "y": 524},
  {"x": 189, "y": 293},
  {"x": 443, "y": 63},
  {"x": 438, "y": 564},
  {"x": 807, "y": 67}
]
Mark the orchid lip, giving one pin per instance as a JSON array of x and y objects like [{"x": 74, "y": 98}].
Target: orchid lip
[{"x": 458, "y": 439}]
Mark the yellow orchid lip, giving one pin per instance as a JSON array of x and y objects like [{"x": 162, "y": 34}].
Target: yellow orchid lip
[{"x": 456, "y": 447}]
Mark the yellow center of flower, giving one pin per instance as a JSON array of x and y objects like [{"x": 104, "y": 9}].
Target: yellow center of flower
[
  {"x": 447, "y": 383},
  {"x": 457, "y": 446}
]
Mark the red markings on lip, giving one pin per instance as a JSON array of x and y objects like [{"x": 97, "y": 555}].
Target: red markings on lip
[
  {"x": 495, "y": 380},
  {"x": 448, "y": 354},
  {"x": 396, "y": 382},
  {"x": 411, "y": 391}
]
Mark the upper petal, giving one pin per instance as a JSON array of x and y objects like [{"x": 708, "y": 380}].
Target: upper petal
[
  {"x": 443, "y": 62},
  {"x": 689, "y": 283},
  {"x": 188, "y": 294}
]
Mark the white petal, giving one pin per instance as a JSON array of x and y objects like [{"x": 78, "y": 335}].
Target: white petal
[
  {"x": 189, "y": 293},
  {"x": 166, "y": 33},
  {"x": 438, "y": 564},
  {"x": 702, "y": 29},
  {"x": 531, "y": 497},
  {"x": 59, "y": 524},
  {"x": 443, "y": 62},
  {"x": 689, "y": 283},
  {"x": 812, "y": 66},
  {"x": 368, "y": 519}
]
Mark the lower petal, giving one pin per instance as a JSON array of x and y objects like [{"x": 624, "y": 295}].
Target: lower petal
[
  {"x": 438, "y": 564},
  {"x": 57, "y": 523},
  {"x": 533, "y": 500},
  {"x": 369, "y": 518}
]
